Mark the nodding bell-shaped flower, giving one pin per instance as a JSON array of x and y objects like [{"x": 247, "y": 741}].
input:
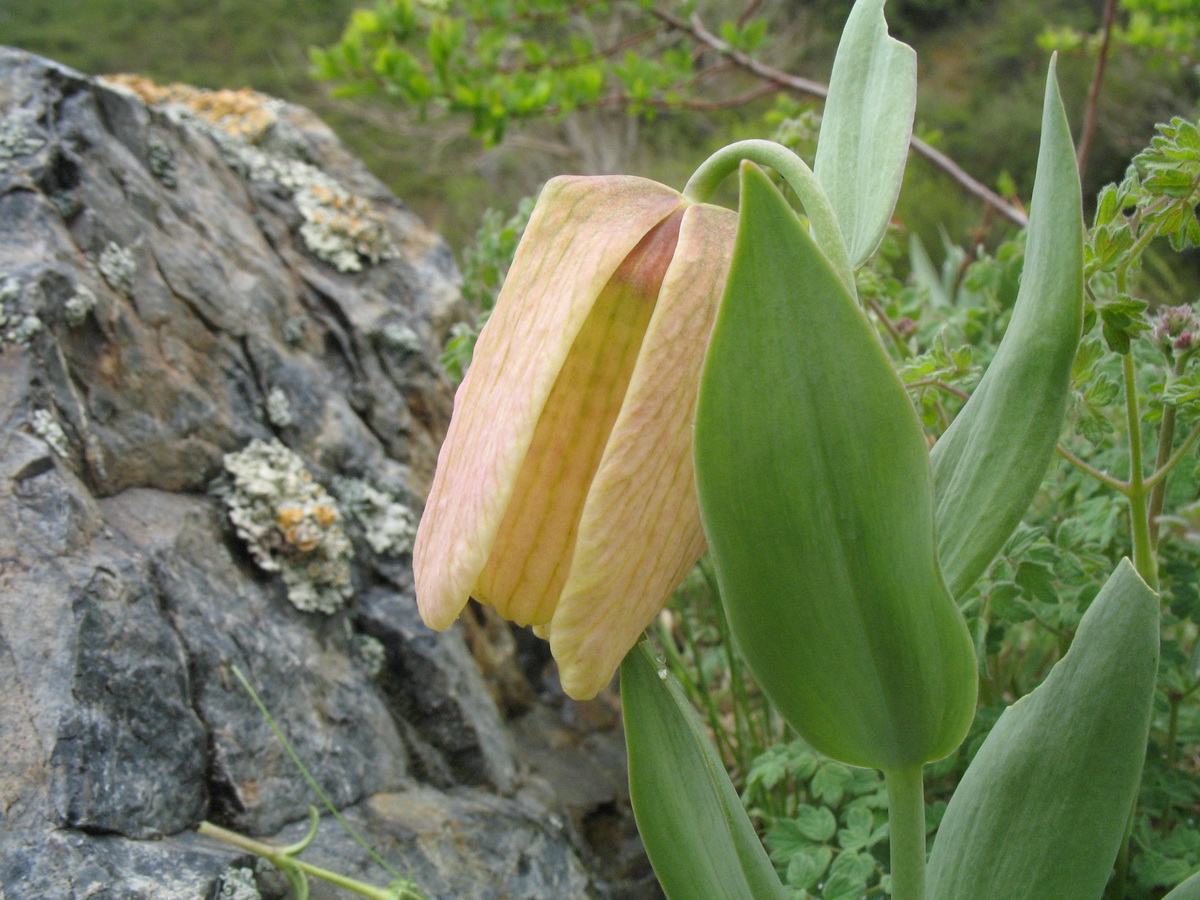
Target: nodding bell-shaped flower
[{"x": 564, "y": 493}]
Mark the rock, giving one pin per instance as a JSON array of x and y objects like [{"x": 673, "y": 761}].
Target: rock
[
  {"x": 466, "y": 845},
  {"x": 221, "y": 404},
  {"x": 61, "y": 864}
]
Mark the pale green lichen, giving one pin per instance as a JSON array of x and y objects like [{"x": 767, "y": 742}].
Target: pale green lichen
[
  {"x": 370, "y": 653},
  {"x": 399, "y": 336},
  {"x": 46, "y": 427},
  {"x": 279, "y": 408},
  {"x": 388, "y": 526},
  {"x": 238, "y": 884},
  {"x": 17, "y": 326},
  {"x": 290, "y": 523},
  {"x": 79, "y": 306},
  {"x": 162, "y": 161},
  {"x": 295, "y": 330},
  {"x": 19, "y": 134},
  {"x": 117, "y": 265}
]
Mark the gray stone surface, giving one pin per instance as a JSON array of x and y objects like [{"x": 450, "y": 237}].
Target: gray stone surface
[
  {"x": 173, "y": 288},
  {"x": 465, "y": 843}
]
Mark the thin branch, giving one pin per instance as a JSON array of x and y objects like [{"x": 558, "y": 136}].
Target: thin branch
[
  {"x": 937, "y": 383},
  {"x": 1115, "y": 483},
  {"x": 890, "y": 327},
  {"x": 1093, "y": 98},
  {"x": 795, "y": 83}
]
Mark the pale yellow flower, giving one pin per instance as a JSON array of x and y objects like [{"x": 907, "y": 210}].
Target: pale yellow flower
[{"x": 564, "y": 494}]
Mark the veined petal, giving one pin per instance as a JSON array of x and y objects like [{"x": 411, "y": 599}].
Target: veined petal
[
  {"x": 531, "y": 553},
  {"x": 640, "y": 528},
  {"x": 581, "y": 231}
]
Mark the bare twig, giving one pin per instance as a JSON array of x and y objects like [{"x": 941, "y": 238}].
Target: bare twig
[
  {"x": 1093, "y": 97},
  {"x": 750, "y": 10},
  {"x": 773, "y": 76}
]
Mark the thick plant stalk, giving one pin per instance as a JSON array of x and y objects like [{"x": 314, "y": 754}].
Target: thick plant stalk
[{"x": 906, "y": 824}]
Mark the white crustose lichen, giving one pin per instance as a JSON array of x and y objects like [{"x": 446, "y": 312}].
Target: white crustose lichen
[
  {"x": 16, "y": 326},
  {"x": 238, "y": 884},
  {"x": 290, "y": 523},
  {"x": 46, "y": 427},
  {"x": 79, "y": 306},
  {"x": 387, "y": 524},
  {"x": 279, "y": 408},
  {"x": 117, "y": 265}
]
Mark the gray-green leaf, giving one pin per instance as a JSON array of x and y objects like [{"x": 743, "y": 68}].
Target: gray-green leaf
[
  {"x": 1042, "y": 808},
  {"x": 866, "y": 128},
  {"x": 696, "y": 832},
  {"x": 991, "y": 460}
]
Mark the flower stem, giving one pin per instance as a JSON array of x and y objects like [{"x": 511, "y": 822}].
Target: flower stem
[
  {"x": 1144, "y": 559},
  {"x": 800, "y": 178},
  {"x": 906, "y": 823},
  {"x": 1166, "y": 440},
  {"x": 281, "y": 860}
]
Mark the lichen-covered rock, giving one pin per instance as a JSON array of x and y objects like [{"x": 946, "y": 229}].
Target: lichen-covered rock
[{"x": 219, "y": 409}]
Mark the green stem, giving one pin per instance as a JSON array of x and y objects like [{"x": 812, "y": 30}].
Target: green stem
[
  {"x": 1146, "y": 563},
  {"x": 906, "y": 824},
  {"x": 1144, "y": 559},
  {"x": 1165, "y": 468},
  {"x": 743, "y": 723},
  {"x": 940, "y": 385},
  {"x": 890, "y": 326},
  {"x": 1115, "y": 483},
  {"x": 1166, "y": 437},
  {"x": 697, "y": 687},
  {"x": 800, "y": 178},
  {"x": 281, "y": 860},
  {"x": 1174, "y": 701},
  {"x": 1166, "y": 440}
]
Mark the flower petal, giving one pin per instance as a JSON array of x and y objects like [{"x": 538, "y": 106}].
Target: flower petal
[
  {"x": 580, "y": 232},
  {"x": 640, "y": 529},
  {"x": 531, "y": 554}
]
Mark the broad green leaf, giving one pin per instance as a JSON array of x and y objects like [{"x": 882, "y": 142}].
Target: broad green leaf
[
  {"x": 866, "y": 128},
  {"x": 1040, "y": 812},
  {"x": 991, "y": 460},
  {"x": 697, "y": 834},
  {"x": 815, "y": 496},
  {"x": 1189, "y": 890}
]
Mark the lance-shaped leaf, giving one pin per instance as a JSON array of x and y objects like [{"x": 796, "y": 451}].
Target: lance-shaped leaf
[
  {"x": 815, "y": 495},
  {"x": 866, "y": 127},
  {"x": 1189, "y": 890},
  {"x": 692, "y": 823},
  {"x": 1040, "y": 812},
  {"x": 992, "y": 458}
]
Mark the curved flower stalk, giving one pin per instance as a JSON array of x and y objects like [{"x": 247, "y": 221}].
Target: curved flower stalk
[{"x": 564, "y": 493}]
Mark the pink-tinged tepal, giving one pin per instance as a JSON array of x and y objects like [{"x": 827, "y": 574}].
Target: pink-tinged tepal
[{"x": 564, "y": 492}]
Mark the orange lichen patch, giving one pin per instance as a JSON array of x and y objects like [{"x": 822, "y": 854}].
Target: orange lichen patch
[
  {"x": 325, "y": 515},
  {"x": 303, "y": 528},
  {"x": 244, "y": 114}
]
